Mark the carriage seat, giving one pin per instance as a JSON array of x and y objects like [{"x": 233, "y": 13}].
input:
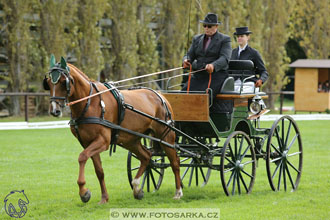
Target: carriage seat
[{"x": 242, "y": 70}]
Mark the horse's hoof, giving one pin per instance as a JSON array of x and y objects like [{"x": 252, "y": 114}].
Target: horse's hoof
[
  {"x": 86, "y": 197},
  {"x": 178, "y": 194},
  {"x": 139, "y": 195}
]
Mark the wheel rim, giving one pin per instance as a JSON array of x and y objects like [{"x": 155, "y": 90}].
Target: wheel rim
[
  {"x": 152, "y": 177},
  {"x": 238, "y": 164},
  {"x": 284, "y": 155}
]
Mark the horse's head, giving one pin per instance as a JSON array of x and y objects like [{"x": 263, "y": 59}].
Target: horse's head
[{"x": 60, "y": 85}]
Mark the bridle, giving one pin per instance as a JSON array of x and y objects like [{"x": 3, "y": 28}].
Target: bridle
[{"x": 55, "y": 74}]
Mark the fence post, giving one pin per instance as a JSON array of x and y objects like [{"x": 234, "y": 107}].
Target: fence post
[
  {"x": 281, "y": 102},
  {"x": 26, "y": 108}
]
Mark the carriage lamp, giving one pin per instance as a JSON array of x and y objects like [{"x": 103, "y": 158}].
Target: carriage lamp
[{"x": 257, "y": 105}]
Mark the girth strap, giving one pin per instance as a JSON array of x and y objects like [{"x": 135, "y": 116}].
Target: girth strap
[{"x": 121, "y": 114}]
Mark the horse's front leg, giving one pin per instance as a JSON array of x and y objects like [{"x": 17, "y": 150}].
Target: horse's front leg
[
  {"x": 94, "y": 148},
  {"x": 100, "y": 175}
]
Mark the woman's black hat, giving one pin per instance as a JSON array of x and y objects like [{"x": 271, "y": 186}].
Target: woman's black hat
[{"x": 242, "y": 30}]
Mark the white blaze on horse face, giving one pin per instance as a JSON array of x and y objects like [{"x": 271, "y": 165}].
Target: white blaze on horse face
[{"x": 54, "y": 105}]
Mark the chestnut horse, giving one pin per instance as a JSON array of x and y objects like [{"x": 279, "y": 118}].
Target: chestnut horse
[{"x": 68, "y": 83}]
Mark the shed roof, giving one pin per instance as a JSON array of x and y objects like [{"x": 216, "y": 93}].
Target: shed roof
[{"x": 310, "y": 63}]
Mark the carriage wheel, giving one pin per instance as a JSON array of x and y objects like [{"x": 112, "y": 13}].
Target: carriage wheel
[
  {"x": 238, "y": 164},
  {"x": 284, "y": 154},
  {"x": 193, "y": 172},
  {"x": 152, "y": 177}
]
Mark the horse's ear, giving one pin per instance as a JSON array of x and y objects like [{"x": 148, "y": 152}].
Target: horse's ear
[
  {"x": 52, "y": 61},
  {"x": 63, "y": 63}
]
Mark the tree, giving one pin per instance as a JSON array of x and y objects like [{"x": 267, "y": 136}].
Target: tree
[
  {"x": 88, "y": 52},
  {"x": 310, "y": 26},
  {"x": 274, "y": 36},
  {"x": 17, "y": 37},
  {"x": 148, "y": 58},
  {"x": 122, "y": 55}
]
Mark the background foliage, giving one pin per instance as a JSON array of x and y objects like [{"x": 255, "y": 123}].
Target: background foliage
[{"x": 117, "y": 39}]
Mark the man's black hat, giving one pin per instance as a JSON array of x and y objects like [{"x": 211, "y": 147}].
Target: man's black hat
[
  {"x": 211, "y": 19},
  {"x": 242, "y": 30}
]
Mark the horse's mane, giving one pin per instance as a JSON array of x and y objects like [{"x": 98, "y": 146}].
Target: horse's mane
[{"x": 80, "y": 72}]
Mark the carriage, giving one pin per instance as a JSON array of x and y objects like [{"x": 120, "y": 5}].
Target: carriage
[
  {"x": 180, "y": 126},
  {"x": 230, "y": 142}
]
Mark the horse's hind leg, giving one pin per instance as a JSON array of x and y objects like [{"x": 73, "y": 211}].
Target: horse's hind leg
[
  {"x": 144, "y": 156},
  {"x": 174, "y": 162},
  {"x": 100, "y": 175}
]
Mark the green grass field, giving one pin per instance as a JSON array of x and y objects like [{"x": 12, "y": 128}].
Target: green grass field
[{"x": 44, "y": 164}]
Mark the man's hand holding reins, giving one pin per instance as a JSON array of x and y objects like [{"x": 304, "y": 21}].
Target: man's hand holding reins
[
  {"x": 186, "y": 64},
  {"x": 209, "y": 68}
]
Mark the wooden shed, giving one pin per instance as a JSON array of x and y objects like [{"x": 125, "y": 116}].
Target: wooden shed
[{"x": 311, "y": 85}]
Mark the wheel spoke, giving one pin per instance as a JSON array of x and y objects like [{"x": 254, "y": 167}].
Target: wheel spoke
[
  {"x": 230, "y": 169},
  {"x": 136, "y": 168},
  {"x": 293, "y": 154},
  {"x": 232, "y": 162},
  {"x": 153, "y": 180},
  {"x": 231, "y": 152},
  {"x": 202, "y": 172},
  {"x": 148, "y": 182},
  {"x": 196, "y": 173},
  {"x": 282, "y": 131},
  {"x": 234, "y": 185},
  {"x": 238, "y": 184},
  {"x": 154, "y": 169},
  {"x": 284, "y": 177},
  {"x": 133, "y": 155},
  {"x": 235, "y": 138},
  {"x": 185, "y": 172},
  {"x": 290, "y": 178},
  {"x": 144, "y": 178},
  {"x": 185, "y": 159},
  {"x": 275, "y": 148},
  {"x": 293, "y": 167},
  {"x": 230, "y": 178},
  {"x": 279, "y": 177},
  {"x": 276, "y": 159},
  {"x": 293, "y": 140},
  {"x": 247, "y": 162},
  {"x": 244, "y": 153},
  {"x": 279, "y": 141},
  {"x": 240, "y": 147},
  {"x": 244, "y": 184},
  {"x": 276, "y": 169},
  {"x": 243, "y": 171},
  {"x": 288, "y": 134},
  {"x": 191, "y": 175}
]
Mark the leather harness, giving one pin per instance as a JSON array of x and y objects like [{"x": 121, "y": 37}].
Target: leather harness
[{"x": 121, "y": 114}]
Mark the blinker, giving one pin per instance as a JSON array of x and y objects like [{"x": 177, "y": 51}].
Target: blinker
[{"x": 55, "y": 76}]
